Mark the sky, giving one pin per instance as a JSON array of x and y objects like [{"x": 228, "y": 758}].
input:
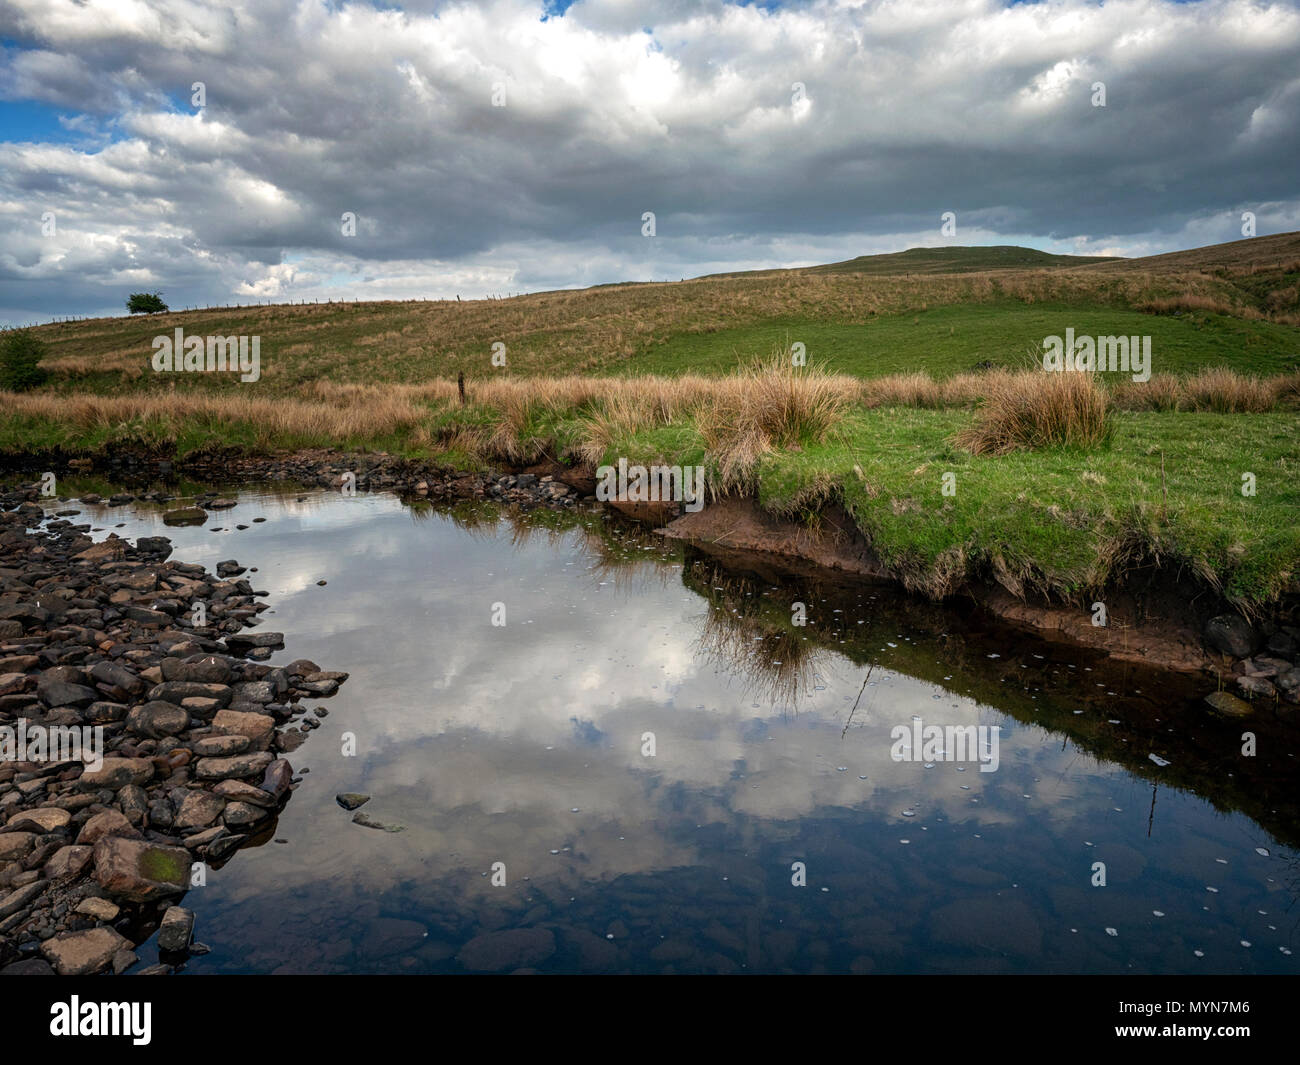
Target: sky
[{"x": 286, "y": 150}]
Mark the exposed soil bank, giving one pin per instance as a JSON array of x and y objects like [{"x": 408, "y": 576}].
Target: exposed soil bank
[
  {"x": 1168, "y": 622},
  {"x": 1157, "y": 629}
]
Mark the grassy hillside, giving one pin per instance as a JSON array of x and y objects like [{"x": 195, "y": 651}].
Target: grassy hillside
[
  {"x": 956, "y": 261},
  {"x": 1212, "y": 307},
  {"x": 956, "y": 338}
]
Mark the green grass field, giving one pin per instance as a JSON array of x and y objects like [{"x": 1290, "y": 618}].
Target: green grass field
[{"x": 953, "y": 339}]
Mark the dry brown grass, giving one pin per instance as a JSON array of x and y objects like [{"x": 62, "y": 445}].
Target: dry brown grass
[
  {"x": 770, "y": 404},
  {"x": 1163, "y": 392},
  {"x": 1035, "y": 410},
  {"x": 1189, "y": 301},
  {"x": 902, "y": 390},
  {"x": 372, "y": 414},
  {"x": 740, "y": 418},
  {"x": 1226, "y": 391}
]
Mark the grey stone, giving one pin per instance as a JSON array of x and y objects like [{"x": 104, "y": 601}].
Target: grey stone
[
  {"x": 1232, "y": 635},
  {"x": 176, "y": 930},
  {"x": 157, "y": 719}
]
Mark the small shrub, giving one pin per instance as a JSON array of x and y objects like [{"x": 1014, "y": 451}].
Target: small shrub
[{"x": 20, "y": 356}]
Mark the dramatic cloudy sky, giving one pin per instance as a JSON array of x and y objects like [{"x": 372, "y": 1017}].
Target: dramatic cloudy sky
[{"x": 759, "y": 135}]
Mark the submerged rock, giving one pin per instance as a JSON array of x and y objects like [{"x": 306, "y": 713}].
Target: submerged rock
[
  {"x": 351, "y": 800},
  {"x": 1229, "y": 705},
  {"x": 185, "y": 516},
  {"x": 369, "y": 822},
  {"x": 513, "y": 948}
]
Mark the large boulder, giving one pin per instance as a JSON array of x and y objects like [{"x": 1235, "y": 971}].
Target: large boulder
[
  {"x": 117, "y": 773},
  {"x": 83, "y": 953},
  {"x": 244, "y": 641},
  {"x": 116, "y": 682},
  {"x": 140, "y": 871},
  {"x": 175, "y": 691},
  {"x": 108, "y": 823},
  {"x": 41, "y": 820},
  {"x": 199, "y": 809},
  {"x": 54, "y": 692},
  {"x": 240, "y": 766},
  {"x": 157, "y": 719},
  {"x": 198, "y": 669},
  {"x": 259, "y": 728}
]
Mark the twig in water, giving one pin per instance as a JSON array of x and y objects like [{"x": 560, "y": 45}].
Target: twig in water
[{"x": 857, "y": 700}]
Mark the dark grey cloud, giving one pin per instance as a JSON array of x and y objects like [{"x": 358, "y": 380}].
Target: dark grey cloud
[{"x": 903, "y": 111}]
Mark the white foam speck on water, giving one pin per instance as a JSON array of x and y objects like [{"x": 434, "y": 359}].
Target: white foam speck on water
[
  {"x": 1262, "y": 852},
  {"x": 1112, "y": 932}
]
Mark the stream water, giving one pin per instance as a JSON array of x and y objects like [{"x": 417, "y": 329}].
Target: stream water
[{"x": 651, "y": 767}]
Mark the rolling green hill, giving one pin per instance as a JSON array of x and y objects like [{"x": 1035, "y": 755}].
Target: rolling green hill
[{"x": 1227, "y": 305}]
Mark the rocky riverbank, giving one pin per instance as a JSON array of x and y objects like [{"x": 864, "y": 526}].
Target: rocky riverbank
[{"x": 143, "y": 668}]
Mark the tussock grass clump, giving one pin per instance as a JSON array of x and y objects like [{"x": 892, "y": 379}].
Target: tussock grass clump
[
  {"x": 1038, "y": 410},
  {"x": 769, "y": 404},
  {"x": 1188, "y": 301},
  {"x": 1163, "y": 392},
  {"x": 1227, "y": 392},
  {"x": 902, "y": 390}
]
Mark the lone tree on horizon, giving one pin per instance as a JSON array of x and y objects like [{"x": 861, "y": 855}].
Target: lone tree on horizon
[{"x": 145, "y": 303}]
